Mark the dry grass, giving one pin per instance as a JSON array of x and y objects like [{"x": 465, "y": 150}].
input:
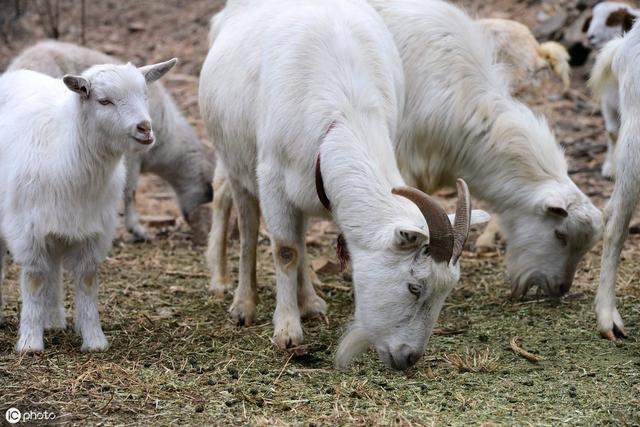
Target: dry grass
[{"x": 474, "y": 361}]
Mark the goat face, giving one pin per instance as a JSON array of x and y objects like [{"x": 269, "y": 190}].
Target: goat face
[
  {"x": 113, "y": 99},
  {"x": 400, "y": 288},
  {"x": 545, "y": 245},
  {"x": 609, "y": 20}
]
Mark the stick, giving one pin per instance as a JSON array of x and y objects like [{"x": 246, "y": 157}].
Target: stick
[{"x": 534, "y": 358}]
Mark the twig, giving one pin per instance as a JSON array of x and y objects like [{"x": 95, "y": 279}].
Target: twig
[
  {"x": 283, "y": 368},
  {"x": 332, "y": 286},
  {"x": 515, "y": 346}
]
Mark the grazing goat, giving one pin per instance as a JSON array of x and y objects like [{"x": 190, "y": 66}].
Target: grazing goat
[
  {"x": 460, "y": 121},
  {"x": 301, "y": 100},
  {"x": 62, "y": 173},
  {"x": 609, "y": 19},
  {"x": 623, "y": 58},
  {"x": 177, "y": 156},
  {"x": 519, "y": 49}
]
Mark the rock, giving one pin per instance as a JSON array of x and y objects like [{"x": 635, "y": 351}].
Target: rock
[
  {"x": 546, "y": 29},
  {"x": 136, "y": 26}
]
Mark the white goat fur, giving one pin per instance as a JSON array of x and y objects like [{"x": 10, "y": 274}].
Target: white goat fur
[
  {"x": 61, "y": 176},
  {"x": 625, "y": 69},
  {"x": 519, "y": 49},
  {"x": 177, "y": 156},
  {"x": 461, "y": 121},
  {"x": 275, "y": 79}
]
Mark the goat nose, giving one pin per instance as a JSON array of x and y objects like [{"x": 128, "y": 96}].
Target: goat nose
[
  {"x": 413, "y": 357},
  {"x": 144, "y": 126}
]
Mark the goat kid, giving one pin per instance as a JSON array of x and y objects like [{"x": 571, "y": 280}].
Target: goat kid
[
  {"x": 177, "y": 156},
  {"x": 62, "y": 143}
]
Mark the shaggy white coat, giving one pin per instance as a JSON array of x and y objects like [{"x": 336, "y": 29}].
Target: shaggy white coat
[
  {"x": 177, "y": 156},
  {"x": 61, "y": 176}
]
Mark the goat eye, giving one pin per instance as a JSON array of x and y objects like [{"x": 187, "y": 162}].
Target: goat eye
[
  {"x": 562, "y": 237},
  {"x": 105, "y": 101},
  {"x": 414, "y": 288},
  {"x": 426, "y": 250}
]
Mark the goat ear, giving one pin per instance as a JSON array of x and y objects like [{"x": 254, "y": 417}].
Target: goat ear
[
  {"x": 78, "y": 84},
  {"x": 408, "y": 237},
  {"x": 586, "y": 24},
  {"x": 153, "y": 72},
  {"x": 478, "y": 216},
  {"x": 556, "y": 207},
  {"x": 620, "y": 17}
]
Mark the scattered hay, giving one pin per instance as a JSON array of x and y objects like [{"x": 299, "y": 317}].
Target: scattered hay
[{"x": 474, "y": 361}]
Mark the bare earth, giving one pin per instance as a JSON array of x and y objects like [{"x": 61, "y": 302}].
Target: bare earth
[{"x": 176, "y": 358}]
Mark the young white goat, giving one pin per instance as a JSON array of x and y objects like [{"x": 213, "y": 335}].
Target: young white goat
[
  {"x": 609, "y": 19},
  {"x": 177, "y": 156},
  {"x": 301, "y": 100},
  {"x": 461, "y": 121},
  {"x": 519, "y": 49},
  {"x": 62, "y": 143},
  {"x": 625, "y": 69}
]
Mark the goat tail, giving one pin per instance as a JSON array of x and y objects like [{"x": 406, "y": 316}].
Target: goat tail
[
  {"x": 557, "y": 57},
  {"x": 602, "y": 72}
]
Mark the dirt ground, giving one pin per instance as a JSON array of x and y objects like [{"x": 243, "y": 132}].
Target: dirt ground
[{"x": 175, "y": 358}]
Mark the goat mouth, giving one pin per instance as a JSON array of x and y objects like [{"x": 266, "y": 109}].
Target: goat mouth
[{"x": 144, "y": 141}]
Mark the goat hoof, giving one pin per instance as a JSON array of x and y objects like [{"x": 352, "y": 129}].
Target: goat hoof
[
  {"x": 219, "y": 288},
  {"x": 139, "y": 235},
  {"x": 98, "y": 342},
  {"x": 242, "y": 314},
  {"x": 619, "y": 332},
  {"x": 30, "y": 345},
  {"x": 288, "y": 336}
]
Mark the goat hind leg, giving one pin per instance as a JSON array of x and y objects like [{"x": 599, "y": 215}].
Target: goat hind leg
[{"x": 217, "y": 247}]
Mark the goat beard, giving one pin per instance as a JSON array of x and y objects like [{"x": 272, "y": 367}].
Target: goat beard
[{"x": 352, "y": 344}]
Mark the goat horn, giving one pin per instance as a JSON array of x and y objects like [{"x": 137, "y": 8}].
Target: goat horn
[
  {"x": 440, "y": 231},
  {"x": 463, "y": 219}
]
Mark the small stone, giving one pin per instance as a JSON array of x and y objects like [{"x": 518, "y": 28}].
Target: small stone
[{"x": 136, "y": 26}]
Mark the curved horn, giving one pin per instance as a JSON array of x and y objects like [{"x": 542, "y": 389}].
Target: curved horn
[
  {"x": 463, "y": 219},
  {"x": 440, "y": 231}
]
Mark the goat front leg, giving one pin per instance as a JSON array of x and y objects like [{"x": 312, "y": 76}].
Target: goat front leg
[
  {"x": 83, "y": 261},
  {"x": 217, "y": 247},
  {"x": 617, "y": 218},
  {"x": 55, "y": 317},
  {"x": 34, "y": 279},
  {"x": 287, "y": 227},
  {"x": 87, "y": 318},
  {"x": 132, "y": 222},
  {"x": 245, "y": 298}
]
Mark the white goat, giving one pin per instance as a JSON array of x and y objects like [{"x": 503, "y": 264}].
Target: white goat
[
  {"x": 461, "y": 121},
  {"x": 608, "y": 20},
  {"x": 520, "y": 50},
  {"x": 177, "y": 156},
  {"x": 61, "y": 175},
  {"x": 285, "y": 85},
  {"x": 624, "y": 55}
]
